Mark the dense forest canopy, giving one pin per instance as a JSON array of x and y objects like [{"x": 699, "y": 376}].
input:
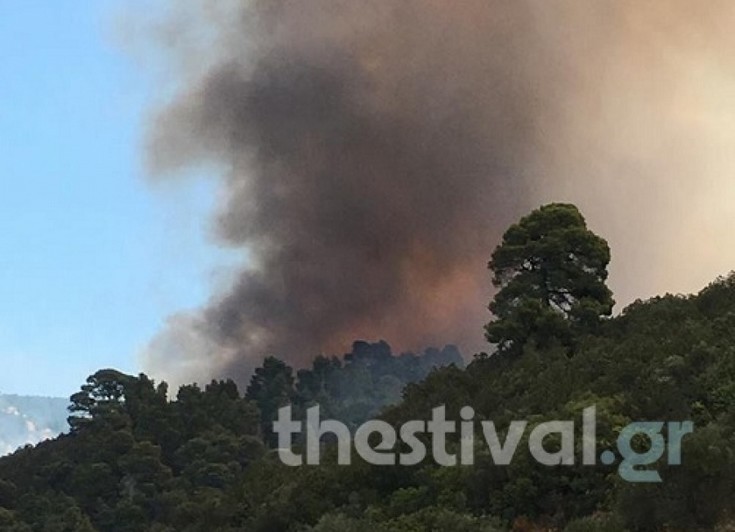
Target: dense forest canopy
[{"x": 135, "y": 459}]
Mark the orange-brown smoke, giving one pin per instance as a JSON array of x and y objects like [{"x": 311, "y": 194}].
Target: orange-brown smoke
[{"x": 373, "y": 151}]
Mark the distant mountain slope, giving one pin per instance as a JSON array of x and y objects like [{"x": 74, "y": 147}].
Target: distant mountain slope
[{"x": 26, "y": 420}]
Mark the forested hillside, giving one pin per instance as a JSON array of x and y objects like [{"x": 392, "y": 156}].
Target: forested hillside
[
  {"x": 136, "y": 461},
  {"x": 134, "y": 458}
]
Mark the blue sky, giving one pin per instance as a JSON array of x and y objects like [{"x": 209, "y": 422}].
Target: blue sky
[{"x": 92, "y": 256}]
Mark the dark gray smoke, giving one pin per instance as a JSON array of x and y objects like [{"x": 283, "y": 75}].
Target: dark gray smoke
[{"x": 373, "y": 152}]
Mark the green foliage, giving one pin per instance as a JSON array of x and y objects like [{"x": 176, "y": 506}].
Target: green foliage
[
  {"x": 133, "y": 458},
  {"x": 551, "y": 271},
  {"x": 271, "y": 387},
  {"x": 343, "y": 523},
  {"x": 596, "y": 523}
]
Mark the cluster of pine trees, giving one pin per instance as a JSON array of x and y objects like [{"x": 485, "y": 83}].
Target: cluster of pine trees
[{"x": 135, "y": 460}]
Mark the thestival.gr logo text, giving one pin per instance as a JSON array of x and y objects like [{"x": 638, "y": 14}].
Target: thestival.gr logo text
[{"x": 632, "y": 467}]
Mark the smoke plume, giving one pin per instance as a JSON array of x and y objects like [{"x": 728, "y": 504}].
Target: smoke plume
[{"x": 373, "y": 151}]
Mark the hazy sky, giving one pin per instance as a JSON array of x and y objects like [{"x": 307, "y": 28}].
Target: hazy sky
[{"x": 93, "y": 257}]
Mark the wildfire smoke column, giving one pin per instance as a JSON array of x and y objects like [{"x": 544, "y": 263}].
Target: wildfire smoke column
[{"x": 372, "y": 153}]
